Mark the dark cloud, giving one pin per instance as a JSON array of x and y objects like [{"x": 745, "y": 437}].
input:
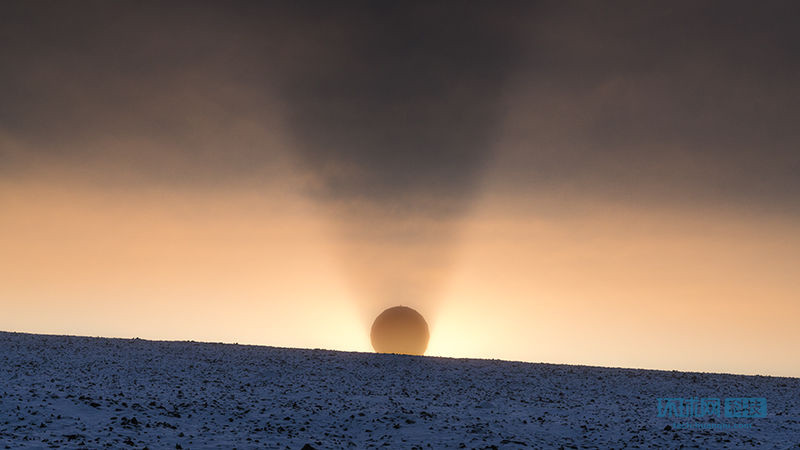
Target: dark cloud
[
  {"x": 384, "y": 102},
  {"x": 163, "y": 92},
  {"x": 401, "y": 105},
  {"x": 391, "y": 101},
  {"x": 686, "y": 102}
]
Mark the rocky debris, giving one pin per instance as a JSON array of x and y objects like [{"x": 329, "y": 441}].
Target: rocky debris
[{"x": 76, "y": 392}]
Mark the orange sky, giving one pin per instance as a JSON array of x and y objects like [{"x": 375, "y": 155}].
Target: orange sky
[{"x": 592, "y": 283}]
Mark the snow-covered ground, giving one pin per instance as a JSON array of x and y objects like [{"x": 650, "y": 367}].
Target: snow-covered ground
[{"x": 59, "y": 391}]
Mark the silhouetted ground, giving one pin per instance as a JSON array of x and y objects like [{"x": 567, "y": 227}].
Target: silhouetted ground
[{"x": 58, "y": 391}]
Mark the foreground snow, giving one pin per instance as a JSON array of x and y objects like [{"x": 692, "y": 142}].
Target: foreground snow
[{"x": 92, "y": 392}]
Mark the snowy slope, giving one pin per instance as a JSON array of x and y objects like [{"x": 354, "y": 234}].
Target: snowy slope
[{"x": 71, "y": 392}]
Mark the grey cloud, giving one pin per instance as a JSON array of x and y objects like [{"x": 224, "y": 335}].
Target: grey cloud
[
  {"x": 685, "y": 102},
  {"x": 404, "y": 103},
  {"x": 384, "y": 102}
]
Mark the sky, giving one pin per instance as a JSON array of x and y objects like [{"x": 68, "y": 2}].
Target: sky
[{"x": 563, "y": 182}]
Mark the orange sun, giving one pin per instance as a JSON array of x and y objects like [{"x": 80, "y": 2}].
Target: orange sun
[{"x": 400, "y": 329}]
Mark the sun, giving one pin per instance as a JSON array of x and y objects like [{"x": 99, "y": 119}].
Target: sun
[{"x": 400, "y": 329}]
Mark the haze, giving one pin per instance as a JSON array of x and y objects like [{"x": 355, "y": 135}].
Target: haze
[{"x": 594, "y": 184}]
